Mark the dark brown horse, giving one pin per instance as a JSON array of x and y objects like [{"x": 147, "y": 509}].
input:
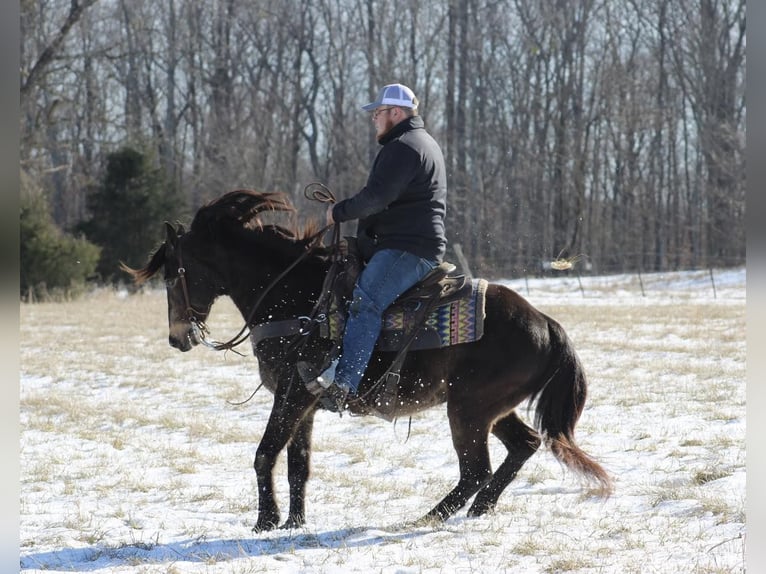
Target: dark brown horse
[{"x": 522, "y": 355}]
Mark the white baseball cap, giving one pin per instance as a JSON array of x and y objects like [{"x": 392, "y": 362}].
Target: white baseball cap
[{"x": 393, "y": 95}]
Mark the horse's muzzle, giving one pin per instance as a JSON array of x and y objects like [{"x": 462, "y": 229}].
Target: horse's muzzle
[
  {"x": 180, "y": 344},
  {"x": 184, "y": 338}
]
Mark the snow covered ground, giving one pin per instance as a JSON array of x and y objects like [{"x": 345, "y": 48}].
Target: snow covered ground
[{"x": 134, "y": 457}]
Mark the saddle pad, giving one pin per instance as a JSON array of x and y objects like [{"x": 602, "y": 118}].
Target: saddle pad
[{"x": 461, "y": 320}]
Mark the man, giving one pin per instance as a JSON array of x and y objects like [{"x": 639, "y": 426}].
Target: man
[{"x": 400, "y": 230}]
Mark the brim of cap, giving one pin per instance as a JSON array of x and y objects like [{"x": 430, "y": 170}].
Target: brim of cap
[{"x": 372, "y": 105}]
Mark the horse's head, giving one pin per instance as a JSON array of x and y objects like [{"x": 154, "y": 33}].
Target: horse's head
[
  {"x": 199, "y": 265},
  {"x": 192, "y": 286},
  {"x": 191, "y": 283}
]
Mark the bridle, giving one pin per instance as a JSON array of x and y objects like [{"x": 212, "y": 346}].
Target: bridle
[{"x": 201, "y": 330}]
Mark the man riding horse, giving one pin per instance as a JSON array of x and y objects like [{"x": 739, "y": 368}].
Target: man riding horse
[
  {"x": 522, "y": 353},
  {"x": 400, "y": 232}
]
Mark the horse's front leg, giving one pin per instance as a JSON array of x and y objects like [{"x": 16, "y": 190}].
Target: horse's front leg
[
  {"x": 286, "y": 415},
  {"x": 299, "y": 469}
]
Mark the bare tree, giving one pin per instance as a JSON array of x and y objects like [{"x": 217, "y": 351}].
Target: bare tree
[
  {"x": 710, "y": 61},
  {"x": 33, "y": 76},
  {"x": 612, "y": 130}
]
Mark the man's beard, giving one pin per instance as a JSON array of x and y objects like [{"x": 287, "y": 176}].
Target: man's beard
[{"x": 386, "y": 128}]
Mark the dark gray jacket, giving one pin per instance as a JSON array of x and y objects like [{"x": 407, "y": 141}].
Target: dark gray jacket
[{"x": 404, "y": 202}]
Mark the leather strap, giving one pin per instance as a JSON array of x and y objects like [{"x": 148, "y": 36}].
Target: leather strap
[{"x": 285, "y": 328}]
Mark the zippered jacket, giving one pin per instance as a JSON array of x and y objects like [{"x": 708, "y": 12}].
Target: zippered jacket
[{"x": 404, "y": 203}]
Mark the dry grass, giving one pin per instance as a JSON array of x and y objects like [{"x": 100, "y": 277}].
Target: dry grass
[{"x": 154, "y": 430}]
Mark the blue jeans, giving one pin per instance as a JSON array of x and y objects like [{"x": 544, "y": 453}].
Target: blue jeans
[{"x": 388, "y": 274}]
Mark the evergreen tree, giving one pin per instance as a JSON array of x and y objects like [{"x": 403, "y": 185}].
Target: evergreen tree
[
  {"x": 51, "y": 261},
  {"x": 127, "y": 210}
]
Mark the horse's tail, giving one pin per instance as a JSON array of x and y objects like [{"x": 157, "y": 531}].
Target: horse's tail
[{"x": 560, "y": 401}]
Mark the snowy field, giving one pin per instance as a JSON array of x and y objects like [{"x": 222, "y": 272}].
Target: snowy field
[{"x": 134, "y": 457}]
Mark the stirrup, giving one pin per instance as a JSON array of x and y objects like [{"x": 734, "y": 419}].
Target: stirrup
[
  {"x": 335, "y": 398},
  {"x": 307, "y": 372},
  {"x": 314, "y": 388},
  {"x": 309, "y": 376}
]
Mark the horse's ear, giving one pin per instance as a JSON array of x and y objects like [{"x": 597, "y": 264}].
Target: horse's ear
[
  {"x": 171, "y": 237},
  {"x": 181, "y": 229}
]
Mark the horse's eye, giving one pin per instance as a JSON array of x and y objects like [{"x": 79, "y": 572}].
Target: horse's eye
[{"x": 170, "y": 283}]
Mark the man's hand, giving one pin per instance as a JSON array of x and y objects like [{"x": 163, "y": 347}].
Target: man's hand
[{"x": 330, "y": 220}]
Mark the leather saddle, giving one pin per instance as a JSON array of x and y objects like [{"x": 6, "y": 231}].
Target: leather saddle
[
  {"x": 438, "y": 287},
  {"x": 437, "y": 283}
]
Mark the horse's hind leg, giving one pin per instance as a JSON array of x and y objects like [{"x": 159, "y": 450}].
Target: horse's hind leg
[
  {"x": 522, "y": 442},
  {"x": 469, "y": 438}
]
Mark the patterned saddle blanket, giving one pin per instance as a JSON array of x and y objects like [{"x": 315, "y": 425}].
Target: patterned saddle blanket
[{"x": 457, "y": 318}]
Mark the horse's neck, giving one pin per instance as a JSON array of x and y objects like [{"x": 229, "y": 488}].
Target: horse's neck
[{"x": 263, "y": 292}]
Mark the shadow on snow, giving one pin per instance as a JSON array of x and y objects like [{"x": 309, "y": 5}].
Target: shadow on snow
[{"x": 200, "y": 550}]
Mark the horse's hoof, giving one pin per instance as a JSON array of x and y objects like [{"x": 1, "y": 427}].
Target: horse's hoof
[
  {"x": 480, "y": 508},
  {"x": 265, "y": 525},
  {"x": 292, "y": 523}
]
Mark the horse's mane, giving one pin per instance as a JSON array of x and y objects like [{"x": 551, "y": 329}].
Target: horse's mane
[
  {"x": 237, "y": 210},
  {"x": 243, "y": 207}
]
